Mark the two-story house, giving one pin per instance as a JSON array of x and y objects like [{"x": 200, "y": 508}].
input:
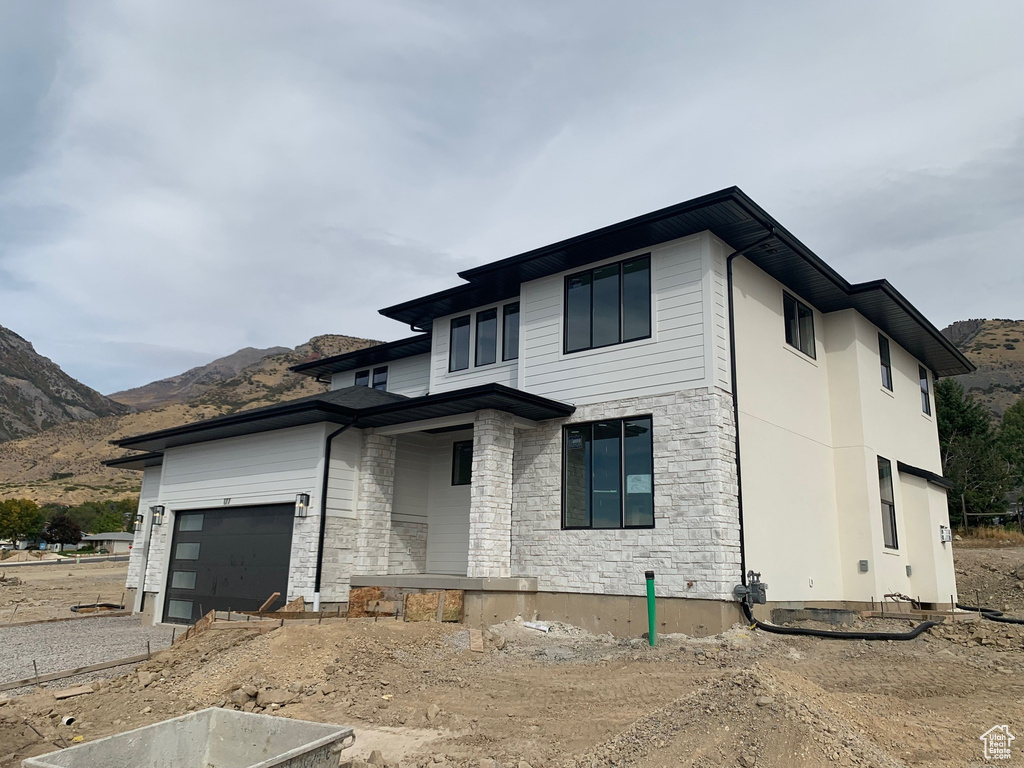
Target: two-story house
[{"x": 691, "y": 392}]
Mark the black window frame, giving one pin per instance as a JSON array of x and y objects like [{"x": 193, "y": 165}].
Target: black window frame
[
  {"x": 460, "y": 322},
  {"x": 365, "y": 376},
  {"x": 483, "y": 316},
  {"x": 885, "y": 360},
  {"x": 926, "y": 391},
  {"x": 457, "y": 446},
  {"x": 382, "y": 384},
  {"x": 623, "y": 483},
  {"x": 622, "y": 310},
  {"x": 507, "y": 310},
  {"x": 889, "y": 530},
  {"x": 798, "y": 342}
]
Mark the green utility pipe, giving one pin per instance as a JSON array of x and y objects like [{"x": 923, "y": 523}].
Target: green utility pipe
[{"x": 652, "y": 618}]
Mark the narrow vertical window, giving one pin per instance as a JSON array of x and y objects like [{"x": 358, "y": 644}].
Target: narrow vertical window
[
  {"x": 458, "y": 344},
  {"x": 799, "y": 321},
  {"x": 883, "y": 356},
  {"x": 577, "y": 312},
  {"x": 607, "y": 299},
  {"x": 606, "y": 488},
  {"x": 637, "y": 462},
  {"x": 380, "y": 378},
  {"x": 576, "y": 476},
  {"x": 462, "y": 462},
  {"x": 926, "y": 399},
  {"x": 510, "y": 332},
  {"x": 362, "y": 378},
  {"x": 486, "y": 336},
  {"x": 888, "y": 503},
  {"x": 636, "y": 299}
]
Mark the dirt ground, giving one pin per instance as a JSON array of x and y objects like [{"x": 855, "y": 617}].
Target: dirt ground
[
  {"x": 570, "y": 699},
  {"x": 49, "y": 591}
]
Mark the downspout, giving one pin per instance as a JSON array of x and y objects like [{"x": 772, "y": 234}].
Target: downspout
[
  {"x": 735, "y": 395},
  {"x": 323, "y": 514}
]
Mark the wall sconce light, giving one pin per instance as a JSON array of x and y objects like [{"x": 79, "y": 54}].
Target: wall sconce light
[
  {"x": 158, "y": 514},
  {"x": 139, "y": 520},
  {"x": 301, "y": 504}
]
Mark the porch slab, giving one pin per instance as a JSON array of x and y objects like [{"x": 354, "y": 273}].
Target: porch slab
[{"x": 445, "y": 581}]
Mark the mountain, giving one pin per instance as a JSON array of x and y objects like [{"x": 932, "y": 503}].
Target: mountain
[
  {"x": 35, "y": 394},
  {"x": 62, "y": 464},
  {"x": 193, "y": 383},
  {"x": 997, "y": 348}
]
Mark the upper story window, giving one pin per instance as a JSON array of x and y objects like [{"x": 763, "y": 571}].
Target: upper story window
[
  {"x": 799, "y": 324},
  {"x": 926, "y": 400},
  {"x": 608, "y": 474},
  {"x": 608, "y": 305},
  {"x": 380, "y": 378},
  {"x": 510, "y": 332},
  {"x": 458, "y": 344},
  {"x": 482, "y": 337},
  {"x": 883, "y": 356},
  {"x": 888, "y": 504},
  {"x": 486, "y": 336}
]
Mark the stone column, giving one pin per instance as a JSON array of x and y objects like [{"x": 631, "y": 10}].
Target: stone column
[
  {"x": 490, "y": 507},
  {"x": 373, "y": 509}
]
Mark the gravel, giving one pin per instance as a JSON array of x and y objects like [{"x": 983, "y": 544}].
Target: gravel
[{"x": 63, "y": 645}]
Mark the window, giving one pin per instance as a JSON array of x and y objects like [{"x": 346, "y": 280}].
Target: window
[
  {"x": 799, "y": 324},
  {"x": 510, "y": 332},
  {"x": 608, "y": 305},
  {"x": 186, "y": 550},
  {"x": 462, "y": 462},
  {"x": 183, "y": 580},
  {"x": 190, "y": 521},
  {"x": 486, "y": 336},
  {"x": 888, "y": 503},
  {"x": 926, "y": 400},
  {"x": 179, "y": 609},
  {"x": 380, "y": 378},
  {"x": 458, "y": 344},
  {"x": 608, "y": 474},
  {"x": 362, "y": 378},
  {"x": 883, "y": 355}
]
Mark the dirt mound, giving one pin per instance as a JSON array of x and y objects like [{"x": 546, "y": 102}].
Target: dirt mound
[
  {"x": 992, "y": 576},
  {"x": 29, "y": 556}
]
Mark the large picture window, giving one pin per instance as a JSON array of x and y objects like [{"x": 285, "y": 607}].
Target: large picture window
[
  {"x": 888, "y": 504},
  {"x": 799, "y": 324},
  {"x": 608, "y": 305},
  {"x": 608, "y": 474}
]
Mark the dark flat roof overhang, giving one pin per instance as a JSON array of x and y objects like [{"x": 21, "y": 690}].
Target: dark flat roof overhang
[
  {"x": 739, "y": 221},
  {"x": 362, "y": 358},
  {"x": 315, "y": 411},
  {"x": 137, "y": 461},
  {"x": 931, "y": 477}
]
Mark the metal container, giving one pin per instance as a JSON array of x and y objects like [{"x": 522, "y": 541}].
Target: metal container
[{"x": 210, "y": 738}]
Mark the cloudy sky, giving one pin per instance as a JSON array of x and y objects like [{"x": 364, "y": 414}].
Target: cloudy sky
[{"x": 179, "y": 180}]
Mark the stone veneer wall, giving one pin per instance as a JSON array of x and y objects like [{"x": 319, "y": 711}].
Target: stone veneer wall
[
  {"x": 408, "y": 553},
  {"x": 694, "y": 547},
  {"x": 373, "y": 510},
  {"x": 490, "y": 506},
  {"x": 339, "y": 558},
  {"x": 305, "y": 541}
]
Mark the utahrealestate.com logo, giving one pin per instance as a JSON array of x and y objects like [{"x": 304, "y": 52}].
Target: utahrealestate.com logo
[{"x": 997, "y": 741}]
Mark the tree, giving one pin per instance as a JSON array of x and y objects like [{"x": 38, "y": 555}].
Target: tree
[
  {"x": 20, "y": 519},
  {"x": 61, "y": 529},
  {"x": 971, "y": 455},
  {"x": 1011, "y": 442},
  {"x": 107, "y": 522}
]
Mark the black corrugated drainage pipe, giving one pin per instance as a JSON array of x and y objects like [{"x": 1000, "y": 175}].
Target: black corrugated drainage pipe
[
  {"x": 991, "y": 614},
  {"x": 835, "y": 634},
  {"x": 323, "y": 514},
  {"x": 735, "y": 396}
]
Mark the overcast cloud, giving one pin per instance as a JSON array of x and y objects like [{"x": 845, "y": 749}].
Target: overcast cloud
[{"x": 179, "y": 180}]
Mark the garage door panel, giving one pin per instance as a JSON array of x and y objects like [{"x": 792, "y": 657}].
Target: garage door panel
[{"x": 231, "y": 558}]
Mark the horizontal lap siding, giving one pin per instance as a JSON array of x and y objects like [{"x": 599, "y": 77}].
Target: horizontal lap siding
[
  {"x": 343, "y": 479},
  {"x": 443, "y": 380},
  {"x": 448, "y": 511},
  {"x": 412, "y": 478},
  {"x": 148, "y": 496},
  {"x": 409, "y": 376},
  {"x": 253, "y": 468},
  {"x": 720, "y": 313},
  {"x": 674, "y": 358}
]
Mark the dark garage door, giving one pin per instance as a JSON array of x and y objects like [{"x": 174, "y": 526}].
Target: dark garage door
[{"x": 228, "y": 558}]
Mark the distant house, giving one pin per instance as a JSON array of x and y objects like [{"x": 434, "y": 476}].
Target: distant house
[
  {"x": 116, "y": 543},
  {"x": 691, "y": 392}
]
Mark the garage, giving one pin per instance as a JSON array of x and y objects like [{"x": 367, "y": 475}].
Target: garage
[{"x": 228, "y": 558}]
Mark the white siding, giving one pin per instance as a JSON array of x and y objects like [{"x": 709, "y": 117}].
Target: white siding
[
  {"x": 448, "y": 511},
  {"x": 672, "y": 359},
  {"x": 147, "y": 498},
  {"x": 343, "y": 479},
  {"x": 500, "y": 372},
  {"x": 412, "y": 478},
  {"x": 409, "y": 376},
  {"x": 717, "y": 308}
]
